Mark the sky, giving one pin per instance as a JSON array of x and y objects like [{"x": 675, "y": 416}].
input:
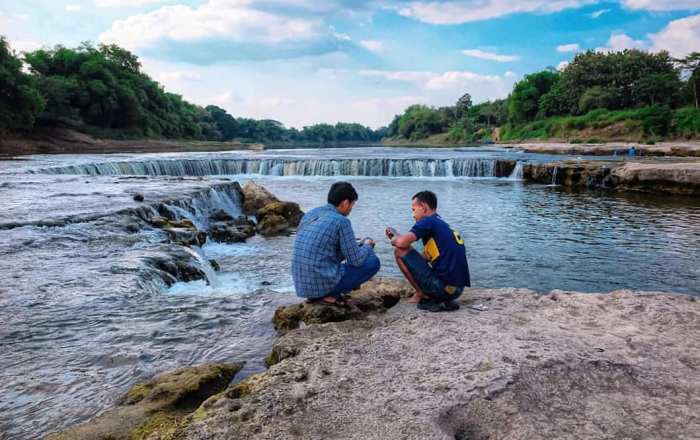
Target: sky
[{"x": 309, "y": 61}]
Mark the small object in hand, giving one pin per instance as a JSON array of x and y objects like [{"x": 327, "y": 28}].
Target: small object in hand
[{"x": 390, "y": 232}]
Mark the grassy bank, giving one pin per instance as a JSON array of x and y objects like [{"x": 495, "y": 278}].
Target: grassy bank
[{"x": 647, "y": 124}]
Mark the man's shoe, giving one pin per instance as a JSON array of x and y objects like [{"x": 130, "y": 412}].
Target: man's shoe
[{"x": 435, "y": 306}]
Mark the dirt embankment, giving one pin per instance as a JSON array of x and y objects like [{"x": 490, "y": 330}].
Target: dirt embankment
[{"x": 57, "y": 141}]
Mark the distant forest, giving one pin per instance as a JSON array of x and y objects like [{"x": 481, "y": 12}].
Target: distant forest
[
  {"x": 632, "y": 95},
  {"x": 103, "y": 92}
]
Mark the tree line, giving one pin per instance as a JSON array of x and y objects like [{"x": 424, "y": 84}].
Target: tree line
[
  {"x": 102, "y": 90},
  {"x": 651, "y": 91}
]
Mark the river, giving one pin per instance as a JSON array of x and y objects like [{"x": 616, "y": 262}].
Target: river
[{"x": 83, "y": 316}]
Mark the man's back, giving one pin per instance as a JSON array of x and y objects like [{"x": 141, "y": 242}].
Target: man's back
[{"x": 324, "y": 239}]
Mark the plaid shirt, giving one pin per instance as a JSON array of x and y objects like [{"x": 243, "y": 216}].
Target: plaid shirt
[{"x": 324, "y": 239}]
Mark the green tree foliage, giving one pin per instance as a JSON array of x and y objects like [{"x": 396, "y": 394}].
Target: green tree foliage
[
  {"x": 617, "y": 80},
  {"x": 103, "y": 91},
  {"x": 691, "y": 65},
  {"x": 524, "y": 101},
  {"x": 20, "y": 101}
]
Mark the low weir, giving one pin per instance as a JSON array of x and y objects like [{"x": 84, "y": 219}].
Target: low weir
[{"x": 375, "y": 167}]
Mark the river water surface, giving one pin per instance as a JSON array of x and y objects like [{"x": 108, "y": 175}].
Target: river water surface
[{"x": 81, "y": 317}]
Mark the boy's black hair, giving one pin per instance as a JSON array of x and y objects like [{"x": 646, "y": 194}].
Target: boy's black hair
[
  {"x": 427, "y": 197},
  {"x": 341, "y": 191}
]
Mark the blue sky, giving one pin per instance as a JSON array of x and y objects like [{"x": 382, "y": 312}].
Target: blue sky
[{"x": 308, "y": 61}]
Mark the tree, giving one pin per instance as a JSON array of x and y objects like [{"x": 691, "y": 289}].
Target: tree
[
  {"x": 463, "y": 105},
  {"x": 20, "y": 101},
  {"x": 691, "y": 64},
  {"x": 524, "y": 101}
]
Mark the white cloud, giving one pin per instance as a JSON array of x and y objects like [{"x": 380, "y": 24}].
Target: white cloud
[
  {"x": 457, "y": 12},
  {"x": 621, "y": 41},
  {"x": 662, "y": 5},
  {"x": 562, "y": 65},
  {"x": 372, "y": 45},
  {"x": 599, "y": 13},
  {"x": 679, "y": 37},
  {"x": 491, "y": 56},
  {"x": 226, "y": 20},
  {"x": 73, "y": 8},
  {"x": 126, "y": 3},
  {"x": 564, "y": 48},
  {"x": 178, "y": 75}
]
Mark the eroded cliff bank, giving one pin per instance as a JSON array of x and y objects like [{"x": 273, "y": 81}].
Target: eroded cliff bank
[{"x": 556, "y": 366}]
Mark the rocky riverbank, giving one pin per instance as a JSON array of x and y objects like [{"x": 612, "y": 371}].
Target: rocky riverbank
[
  {"x": 678, "y": 149},
  {"x": 556, "y": 366},
  {"x": 652, "y": 177}
]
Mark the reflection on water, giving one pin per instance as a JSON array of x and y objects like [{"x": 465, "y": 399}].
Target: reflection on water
[{"x": 77, "y": 328}]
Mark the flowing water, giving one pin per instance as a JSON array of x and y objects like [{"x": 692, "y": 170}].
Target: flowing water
[{"x": 83, "y": 314}]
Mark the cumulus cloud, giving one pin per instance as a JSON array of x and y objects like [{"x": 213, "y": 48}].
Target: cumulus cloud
[
  {"x": 441, "y": 87},
  {"x": 372, "y": 45},
  {"x": 222, "y": 29},
  {"x": 562, "y": 65},
  {"x": 73, "y": 8},
  {"x": 457, "y": 12},
  {"x": 491, "y": 56},
  {"x": 178, "y": 75},
  {"x": 621, "y": 41},
  {"x": 679, "y": 37},
  {"x": 564, "y": 48},
  {"x": 662, "y": 5}
]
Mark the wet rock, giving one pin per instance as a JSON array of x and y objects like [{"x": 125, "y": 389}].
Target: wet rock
[
  {"x": 221, "y": 216},
  {"x": 272, "y": 225},
  {"x": 290, "y": 211},
  {"x": 138, "y": 197},
  {"x": 227, "y": 232},
  {"x": 215, "y": 265},
  {"x": 186, "y": 236},
  {"x": 655, "y": 177},
  {"x": 177, "y": 266},
  {"x": 158, "y": 407},
  {"x": 256, "y": 197},
  {"x": 377, "y": 295}
]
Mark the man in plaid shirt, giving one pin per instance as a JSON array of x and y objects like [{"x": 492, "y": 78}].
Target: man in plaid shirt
[{"x": 328, "y": 262}]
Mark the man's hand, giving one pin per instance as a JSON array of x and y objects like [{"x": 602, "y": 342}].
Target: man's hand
[{"x": 369, "y": 242}]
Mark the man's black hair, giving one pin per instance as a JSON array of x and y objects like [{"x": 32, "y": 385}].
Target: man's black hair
[
  {"x": 427, "y": 197},
  {"x": 341, "y": 191}
]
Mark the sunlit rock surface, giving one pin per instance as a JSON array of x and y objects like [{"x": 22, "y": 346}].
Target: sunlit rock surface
[{"x": 557, "y": 366}]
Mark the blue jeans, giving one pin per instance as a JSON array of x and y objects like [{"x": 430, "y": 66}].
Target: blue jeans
[
  {"x": 355, "y": 276},
  {"x": 428, "y": 281}
]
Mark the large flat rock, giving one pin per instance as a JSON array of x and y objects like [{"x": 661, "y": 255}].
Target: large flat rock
[{"x": 557, "y": 366}]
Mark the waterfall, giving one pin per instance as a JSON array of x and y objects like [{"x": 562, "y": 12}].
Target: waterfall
[
  {"x": 554, "y": 176},
  {"x": 199, "y": 208},
  {"x": 517, "y": 173},
  {"x": 212, "y": 278},
  {"x": 386, "y": 167}
]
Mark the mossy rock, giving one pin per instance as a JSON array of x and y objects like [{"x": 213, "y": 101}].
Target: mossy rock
[
  {"x": 156, "y": 408},
  {"x": 289, "y": 210}
]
